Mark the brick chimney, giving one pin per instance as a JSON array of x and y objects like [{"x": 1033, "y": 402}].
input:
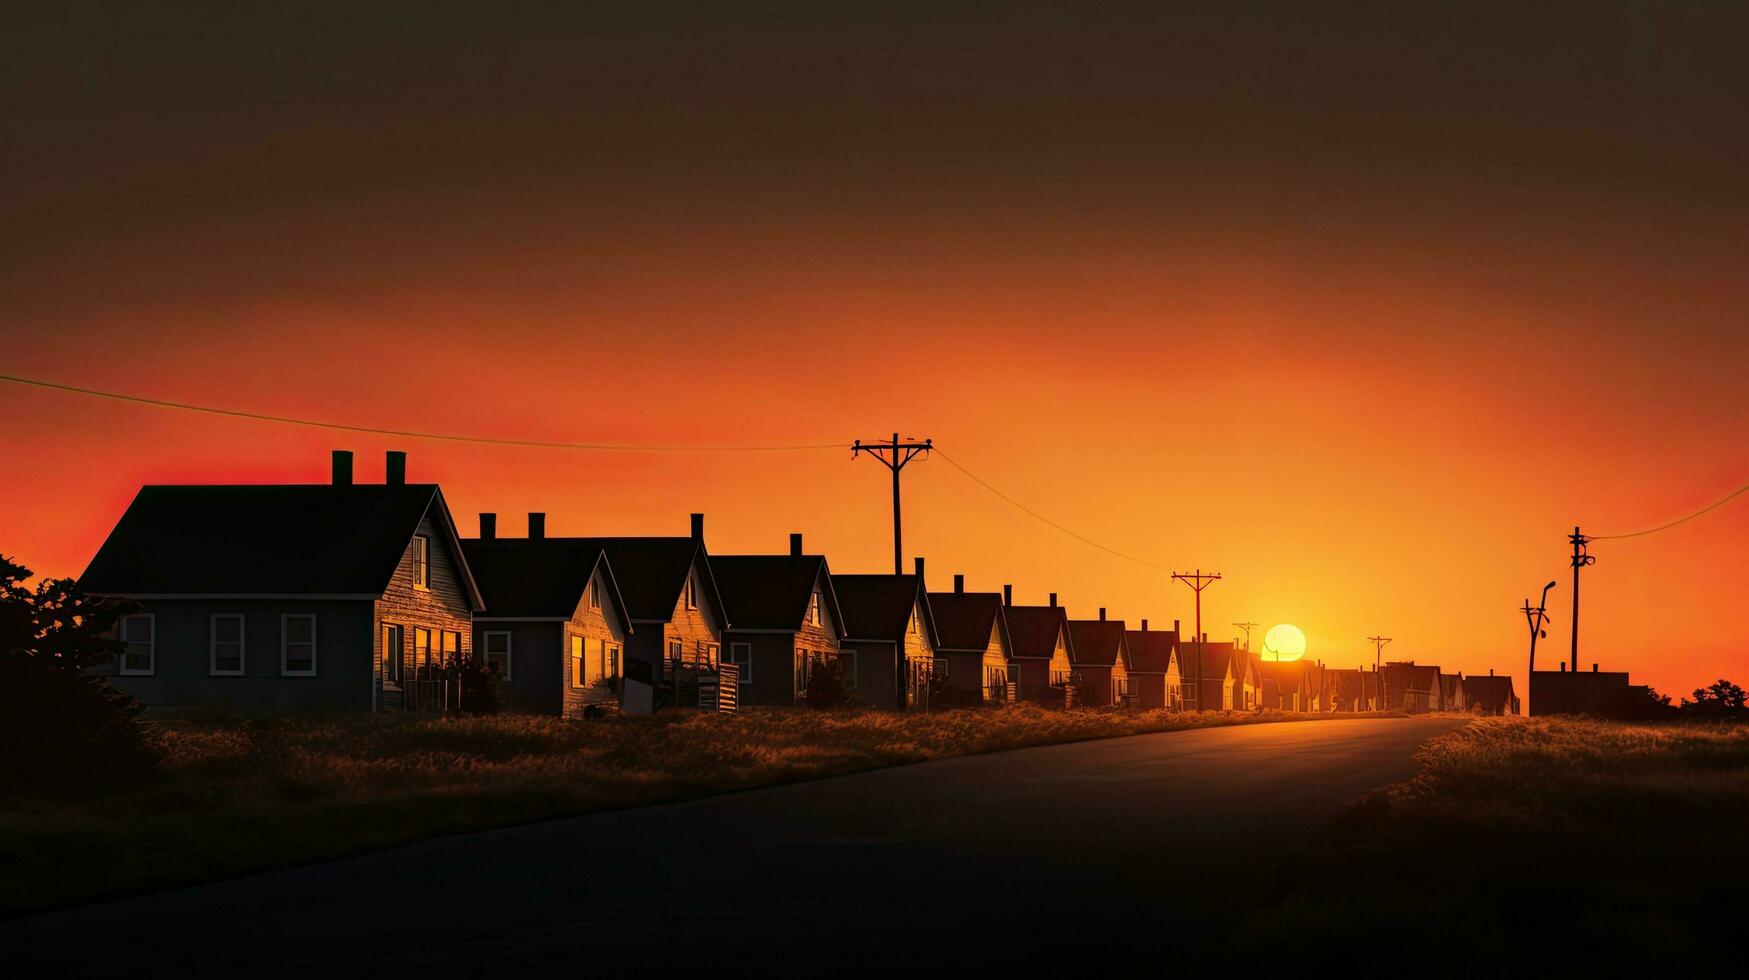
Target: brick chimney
[
  {"x": 1053, "y": 600},
  {"x": 698, "y": 527},
  {"x": 395, "y": 468},
  {"x": 959, "y": 584},
  {"x": 537, "y": 525},
  {"x": 795, "y": 545},
  {"x": 342, "y": 467},
  {"x": 1008, "y": 595},
  {"x": 488, "y": 526}
]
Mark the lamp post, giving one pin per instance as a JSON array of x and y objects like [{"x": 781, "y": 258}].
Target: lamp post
[{"x": 1535, "y": 618}]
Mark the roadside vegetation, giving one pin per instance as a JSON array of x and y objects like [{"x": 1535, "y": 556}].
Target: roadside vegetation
[
  {"x": 1531, "y": 846},
  {"x": 225, "y": 795}
]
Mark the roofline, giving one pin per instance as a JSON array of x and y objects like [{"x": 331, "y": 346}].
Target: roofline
[
  {"x": 455, "y": 544},
  {"x": 522, "y": 619},
  {"x": 362, "y": 596}
]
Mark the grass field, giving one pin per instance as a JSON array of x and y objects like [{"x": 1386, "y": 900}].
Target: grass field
[
  {"x": 1526, "y": 847},
  {"x": 246, "y": 794}
]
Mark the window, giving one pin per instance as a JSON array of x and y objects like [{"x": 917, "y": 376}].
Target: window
[
  {"x": 676, "y": 651},
  {"x": 814, "y": 609},
  {"x": 225, "y": 645},
  {"x": 804, "y": 669},
  {"x": 595, "y": 593},
  {"x": 691, "y": 592},
  {"x": 709, "y": 653},
  {"x": 139, "y": 654},
  {"x": 995, "y": 681},
  {"x": 741, "y": 655},
  {"x": 297, "y": 645},
  {"x": 847, "y": 668},
  {"x": 421, "y": 562},
  {"x": 612, "y": 661},
  {"x": 940, "y": 668},
  {"x": 393, "y": 651},
  {"x": 497, "y": 653},
  {"x": 579, "y": 662},
  {"x": 422, "y": 650},
  {"x": 451, "y": 652}
]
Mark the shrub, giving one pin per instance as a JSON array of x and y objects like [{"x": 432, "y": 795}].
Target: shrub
[
  {"x": 480, "y": 692},
  {"x": 826, "y": 687}
]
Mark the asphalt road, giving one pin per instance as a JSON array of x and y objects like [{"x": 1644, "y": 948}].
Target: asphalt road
[{"x": 1091, "y": 858}]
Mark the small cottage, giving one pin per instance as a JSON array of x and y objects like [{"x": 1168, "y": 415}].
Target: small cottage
[
  {"x": 1154, "y": 669},
  {"x": 889, "y": 641},
  {"x": 1038, "y": 654},
  {"x": 1101, "y": 658},
  {"x": 971, "y": 642},
  {"x": 785, "y": 617}
]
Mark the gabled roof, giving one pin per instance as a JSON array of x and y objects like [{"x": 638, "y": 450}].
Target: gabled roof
[
  {"x": 268, "y": 539},
  {"x": 1217, "y": 658},
  {"x": 1491, "y": 691},
  {"x": 965, "y": 620},
  {"x": 772, "y": 592},
  {"x": 1152, "y": 651},
  {"x": 1449, "y": 684},
  {"x": 1291, "y": 672},
  {"x": 1416, "y": 677},
  {"x": 539, "y": 578},
  {"x": 652, "y": 571},
  {"x": 1033, "y": 631},
  {"x": 878, "y": 607},
  {"x": 1098, "y": 642}
]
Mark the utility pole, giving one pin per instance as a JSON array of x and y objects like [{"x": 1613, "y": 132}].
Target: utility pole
[
  {"x": 1580, "y": 560},
  {"x": 1378, "y": 674},
  {"x": 1535, "y": 618},
  {"x": 1247, "y": 628},
  {"x": 894, "y": 455},
  {"x": 1197, "y": 582}
]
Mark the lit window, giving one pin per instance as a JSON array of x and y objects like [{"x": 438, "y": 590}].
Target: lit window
[
  {"x": 451, "y": 651},
  {"x": 421, "y": 562},
  {"x": 225, "y": 645},
  {"x": 613, "y": 661},
  {"x": 595, "y": 593},
  {"x": 422, "y": 649},
  {"x": 691, "y": 593},
  {"x": 579, "y": 663},
  {"x": 297, "y": 645},
  {"x": 139, "y": 655},
  {"x": 676, "y": 650},
  {"x": 393, "y": 651},
  {"x": 497, "y": 653},
  {"x": 814, "y": 609}
]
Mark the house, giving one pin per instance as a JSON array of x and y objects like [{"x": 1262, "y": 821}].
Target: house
[
  {"x": 888, "y": 638},
  {"x": 335, "y": 595},
  {"x": 785, "y": 616},
  {"x": 1101, "y": 656},
  {"x": 1348, "y": 690},
  {"x": 676, "y": 610},
  {"x": 1038, "y": 651},
  {"x": 1451, "y": 691},
  {"x": 1411, "y": 687},
  {"x": 1153, "y": 667},
  {"x": 555, "y": 626},
  {"x": 1605, "y": 694},
  {"x": 1285, "y": 685},
  {"x": 1228, "y": 677},
  {"x": 971, "y": 637},
  {"x": 1490, "y": 695}
]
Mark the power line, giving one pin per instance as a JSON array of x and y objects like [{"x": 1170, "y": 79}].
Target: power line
[
  {"x": 1028, "y": 510},
  {"x": 411, "y": 434},
  {"x": 1662, "y": 527}
]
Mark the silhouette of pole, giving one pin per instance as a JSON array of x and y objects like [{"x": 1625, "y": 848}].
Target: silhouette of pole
[
  {"x": 894, "y": 455},
  {"x": 1197, "y": 582},
  {"x": 1580, "y": 560},
  {"x": 1535, "y": 618},
  {"x": 1378, "y": 674},
  {"x": 1247, "y": 628}
]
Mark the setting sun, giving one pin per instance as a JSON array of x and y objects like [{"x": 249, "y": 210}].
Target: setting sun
[{"x": 1284, "y": 642}]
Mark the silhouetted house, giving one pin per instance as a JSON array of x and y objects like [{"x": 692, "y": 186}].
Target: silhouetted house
[
  {"x": 676, "y": 610},
  {"x": 1285, "y": 686},
  {"x": 1317, "y": 686},
  {"x": 555, "y": 626},
  {"x": 786, "y": 617},
  {"x": 1100, "y": 654},
  {"x": 1605, "y": 694},
  {"x": 1411, "y": 687},
  {"x": 1490, "y": 695},
  {"x": 1229, "y": 676},
  {"x": 1039, "y": 643},
  {"x": 307, "y": 595},
  {"x": 971, "y": 637},
  {"x": 1347, "y": 690},
  {"x": 1153, "y": 667},
  {"x": 889, "y": 639},
  {"x": 1451, "y": 691}
]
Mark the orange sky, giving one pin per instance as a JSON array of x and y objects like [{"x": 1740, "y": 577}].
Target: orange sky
[{"x": 1371, "y": 361}]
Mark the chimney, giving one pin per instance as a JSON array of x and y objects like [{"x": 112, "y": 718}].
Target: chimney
[
  {"x": 1008, "y": 595},
  {"x": 1490, "y": 672},
  {"x": 1144, "y": 626},
  {"x": 959, "y": 584},
  {"x": 488, "y": 526},
  {"x": 919, "y": 561},
  {"x": 1102, "y": 614},
  {"x": 1563, "y": 666},
  {"x": 1175, "y": 630},
  {"x": 342, "y": 467},
  {"x": 795, "y": 545},
  {"x": 537, "y": 525},
  {"x": 395, "y": 468},
  {"x": 1205, "y": 637},
  {"x": 1053, "y": 600},
  {"x": 1594, "y": 668},
  {"x": 698, "y": 527}
]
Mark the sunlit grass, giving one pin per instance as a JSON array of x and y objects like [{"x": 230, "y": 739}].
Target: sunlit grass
[{"x": 239, "y": 794}]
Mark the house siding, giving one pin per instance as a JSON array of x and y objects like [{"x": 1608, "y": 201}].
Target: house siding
[
  {"x": 442, "y": 606},
  {"x": 878, "y": 683},
  {"x": 774, "y": 657},
  {"x": 692, "y": 627},
  {"x": 182, "y": 652},
  {"x": 536, "y": 681},
  {"x": 596, "y": 626}
]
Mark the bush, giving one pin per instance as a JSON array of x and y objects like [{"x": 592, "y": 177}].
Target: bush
[
  {"x": 480, "y": 692},
  {"x": 826, "y": 687}
]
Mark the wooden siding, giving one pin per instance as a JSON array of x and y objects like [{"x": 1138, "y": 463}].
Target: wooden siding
[
  {"x": 595, "y": 626},
  {"x": 772, "y": 679},
  {"x": 442, "y": 606}
]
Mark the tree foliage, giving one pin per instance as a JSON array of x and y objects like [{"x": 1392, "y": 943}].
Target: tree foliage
[
  {"x": 1720, "y": 699},
  {"x": 62, "y": 729}
]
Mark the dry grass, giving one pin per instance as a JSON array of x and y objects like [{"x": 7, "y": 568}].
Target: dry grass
[
  {"x": 1536, "y": 845},
  {"x": 235, "y": 795}
]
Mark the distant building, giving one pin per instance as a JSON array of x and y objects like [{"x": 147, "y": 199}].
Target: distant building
[
  {"x": 1604, "y": 694},
  {"x": 1490, "y": 695},
  {"x": 1348, "y": 690},
  {"x": 1451, "y": 691},
  {"x": 1101, "y": 656},
  {"x": 1229, "y": 678},
  {"x": 1411, "y": 687},
  {"x": 1039, "y": 645},
  {"x": 971, "y": 636},
  {"x": 783, "y": 613},
  {"x": 889, "y": 639},
  {"x": 1286, "y": 686},
  {"x": 336, "y": 595},
  {"x": 1155, "y": 676}
]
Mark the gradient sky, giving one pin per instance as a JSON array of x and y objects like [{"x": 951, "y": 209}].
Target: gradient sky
[{"x": 1364, "y": 307}]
